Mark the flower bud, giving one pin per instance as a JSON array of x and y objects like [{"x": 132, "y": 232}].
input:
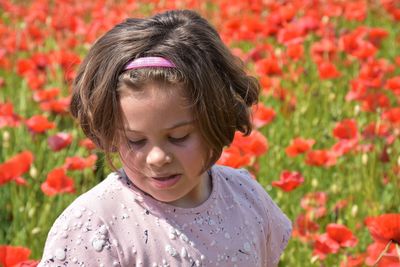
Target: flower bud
[
  {"x": 354, "y": 210},
  {"x": 364, "y": 159}
]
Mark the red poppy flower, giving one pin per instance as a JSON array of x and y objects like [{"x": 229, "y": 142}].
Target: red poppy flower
[
  {"x": 357, "y": 90},
  {"x": 295, "y": 51},
  {"x": 36, "y": 34},
  {"x": 365, "y": 148},
  {"x": 373, "y": 130},
  {"x": 315, "y": 204},
  {"x": 299, "y": 146},
  {"x": 268, "y": 66},
  {"x": 57, "y": 182},
  {"x": 344, "y": 146},
  {"x": 243, "y": 27},
  {"x": 325, "y": 245},
  {"x": 384, "y": 228},
  {"x": 87, "y": 143},
  {"x": 24, "y": 66},
  {"x": 327, "y": 70},
  {"x": 59, "y": 141},
  {"x": 353, "y": 261},
  {"x": 234, "y": 157},
  {"x": 46, "y": 95},
  {"x": 305, "y": 228},
  {"x": 27, "y": 263},
  {"x": 332, "y": 9},
  {"x": 376, "y": 35},
  {"x": 11, "y": 256},
  {"x": 325, "y": 49},
  {"x": 39, "y": 124},
  {"x": 7, "y": 116},
  {"x": 355, "y": 44},
  {"x": 391, "y": 6},
  {"x": 79, "y": 163},
  {"x": 255, "y": 144},
  {"x": 13, "y": 168},
  {"x": 59, "y": 106},
  {"x": 373, "y": 72},
  {"x": 356, "y": 10},
  {"x": 393, "y": 85},
  {"x": 63, "y": 20},
  {"x": 259, "y": 52},
  {"x": 376, "y": 250},
  {"x": 324, "y": 158},
  {"x": 336, "y": 236},
  {"x": 346, "y": 129},
  {"x": 289, "y": 180},
  {"x": 36, "y": 81},
  {"x": 392, "y": 115},
  {"x": 365, "y": 50},
  {"x": 268, "y": 83},
  {"x": 282, "y": 13},
  {"x": 41, "y": 61},
  {"x": 374, "y": 100},
  {"x": 341, "y": 234},
  {"x": 67, "y": 59},
  {"x": 5, "y": 62},
  {"x": 291, "y": 34},
  {"x": 262, "y": 115}
]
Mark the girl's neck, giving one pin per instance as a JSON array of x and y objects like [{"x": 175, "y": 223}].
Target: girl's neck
[{"x": 198, "y": 195}]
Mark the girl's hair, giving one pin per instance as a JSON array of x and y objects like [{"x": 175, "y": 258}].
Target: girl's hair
[{"x": 217, "y": 88}]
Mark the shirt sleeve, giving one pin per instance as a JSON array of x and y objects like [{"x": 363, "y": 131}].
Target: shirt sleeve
[
  {"x": 279, "y": 230},
  {"x": 278, "y": 227},
  {"x": 79, "y": 238}
]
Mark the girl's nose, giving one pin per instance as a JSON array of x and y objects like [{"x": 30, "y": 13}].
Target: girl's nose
[{"x": 157, "y": 157}]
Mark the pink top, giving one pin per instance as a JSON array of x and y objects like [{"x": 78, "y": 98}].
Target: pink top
[{"x": 116, "y": 224}]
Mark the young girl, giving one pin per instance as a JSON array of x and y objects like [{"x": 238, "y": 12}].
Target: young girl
[{"x": 167, "y": 95}]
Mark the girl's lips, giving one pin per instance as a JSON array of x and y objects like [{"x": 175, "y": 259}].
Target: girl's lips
[{"x": 165, "y": 182}]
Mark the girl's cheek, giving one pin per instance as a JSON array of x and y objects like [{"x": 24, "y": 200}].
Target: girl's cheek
[{"x": 128, "y": 154}]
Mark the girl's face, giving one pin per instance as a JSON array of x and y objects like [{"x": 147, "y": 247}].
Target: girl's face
[{"x": 164, "y": 152}]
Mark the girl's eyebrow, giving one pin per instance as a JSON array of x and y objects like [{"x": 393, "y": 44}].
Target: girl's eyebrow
[{"x": 179, "y": 124}]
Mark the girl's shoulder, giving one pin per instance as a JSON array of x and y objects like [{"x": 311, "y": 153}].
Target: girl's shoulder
[
  {"x": 84, "y": 233},
  {"x": 231, "y": 172},
  {"x": 255, "y": 202},
  {"x": 239, "y": 186},
  {"x": 239, "y": 182}
]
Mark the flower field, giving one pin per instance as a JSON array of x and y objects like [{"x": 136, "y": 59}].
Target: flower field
[{"x": 326, "y": 133}]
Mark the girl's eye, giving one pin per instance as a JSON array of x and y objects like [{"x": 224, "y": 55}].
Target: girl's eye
[
  {"x": 137, "y": 143},
  {"x": 179, "y": 139}
]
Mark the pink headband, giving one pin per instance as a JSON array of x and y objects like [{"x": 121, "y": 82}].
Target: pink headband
[{"x": 143, "y": 62}]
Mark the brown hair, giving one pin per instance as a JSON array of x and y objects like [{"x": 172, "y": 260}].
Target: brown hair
[{"x": 218, "y": 89}]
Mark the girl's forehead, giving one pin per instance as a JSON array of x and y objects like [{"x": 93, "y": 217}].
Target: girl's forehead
[
  {"x": 153, "y": 88},
  {"x": 155, "y": 100},
  {"x": 154, "y": 106}
]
